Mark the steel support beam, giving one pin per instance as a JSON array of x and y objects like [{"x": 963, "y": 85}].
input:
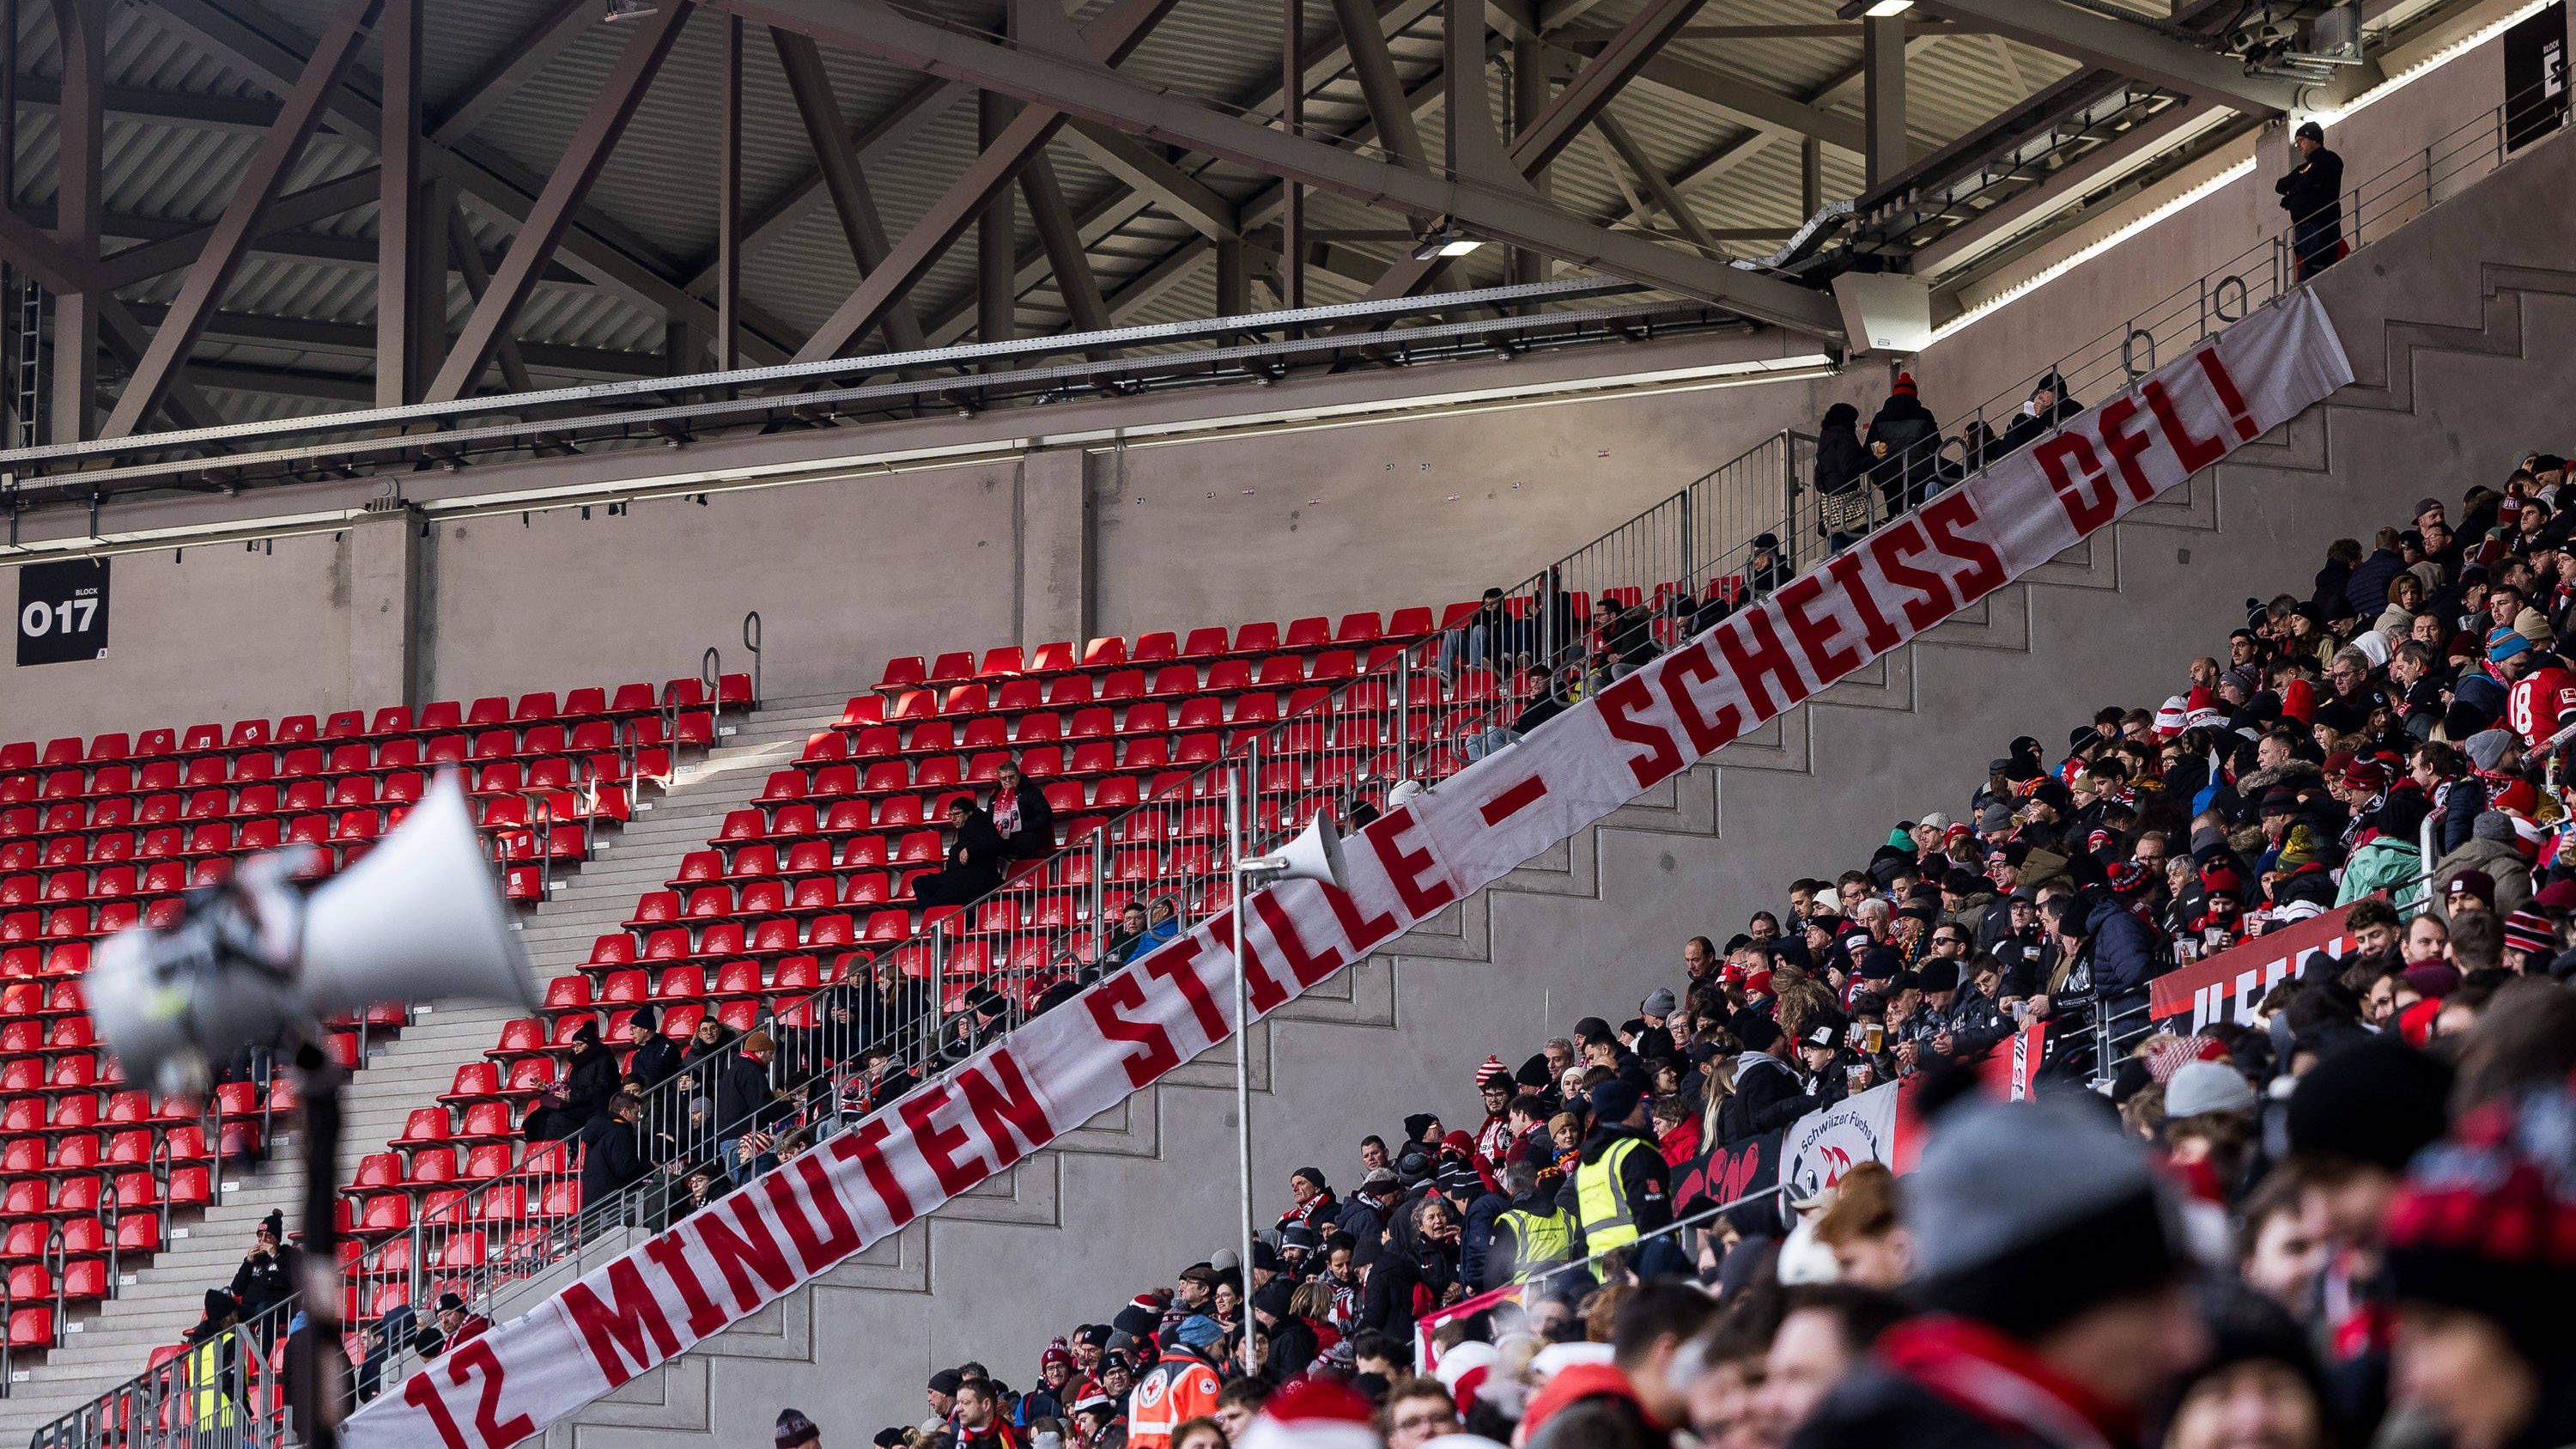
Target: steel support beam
[
  {"x": 478, "y": 284},
  {"x": 1533, "y": 86},
  {"x": 1290, "y": 279},
  {"x": 1383, "y": 90},
  {"x": 1109, "y": 40},
  {"x": 1659, "y": 189},
  {"x": 996, "y": 227},
  {"x": 547, "y": 221},
  {"x": 862, "y": 225},
  {"x": 1144, "y": 168},
  {"x": 1583, "y": 98},
  {"x": 403, "y": 243},
  {"x": 1739, "y": 101},
  {"x": 1050, "y": 82},
  {"x": 56, "y": 264},
  {"x": 1886, "y": 152},
  {"x": 728, "y": 335},
  {"x": 80, "y": 142},
  {"x": 1074, "y": 280},
  {"x": 529, "y": 52},
  {"x": 2127, "y": 48},
  {"x": 245, "y": 35},
  {"x": 279, "y": 149}
]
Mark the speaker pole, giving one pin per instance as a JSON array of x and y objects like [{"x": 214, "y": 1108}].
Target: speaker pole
[
  {"x": 317, "y": 1360},
  {"x": 1234, "y": 807}
]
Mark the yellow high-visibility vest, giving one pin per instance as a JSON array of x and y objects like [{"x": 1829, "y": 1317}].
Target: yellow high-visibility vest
[
  {"x": 1609, "y": 1220},
  {"x": 210, "y": 1398},
  {"x": 1541, "y": 1241}
]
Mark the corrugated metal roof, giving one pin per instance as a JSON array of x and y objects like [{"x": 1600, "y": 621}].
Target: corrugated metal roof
[{"x": 658, "y": 186}]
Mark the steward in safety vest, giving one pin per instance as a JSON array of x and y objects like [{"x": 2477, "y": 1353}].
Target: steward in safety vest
[
  {"x": 212, "y": 1405},
  {"x": 1180, "y": 1387},
  {"x": 1531, "y": 1236},
  {"x": 1621, "y": 1189}
]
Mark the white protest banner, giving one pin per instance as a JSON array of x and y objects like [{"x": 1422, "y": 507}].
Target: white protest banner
[{"x": 1060, "y": 1070}]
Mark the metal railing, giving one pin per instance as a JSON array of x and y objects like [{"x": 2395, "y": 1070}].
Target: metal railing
[{"x": 1418, "y": 709}]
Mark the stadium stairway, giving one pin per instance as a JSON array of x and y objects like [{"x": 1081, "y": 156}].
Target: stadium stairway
[
  {"x": 2455, "y": 377},
  {"x": 160, "y": 1302}
]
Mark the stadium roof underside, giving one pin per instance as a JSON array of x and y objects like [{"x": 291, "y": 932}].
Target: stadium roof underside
[{"x": 233, "y": 211}]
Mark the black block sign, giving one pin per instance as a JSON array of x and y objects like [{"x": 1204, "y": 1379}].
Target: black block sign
[
  {"x": 62, "y": 611},
  {"x": 2535, "y": 77}
]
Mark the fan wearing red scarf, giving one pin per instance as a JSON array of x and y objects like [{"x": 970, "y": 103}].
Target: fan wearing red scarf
[{"x": 2056, "y": 1290}]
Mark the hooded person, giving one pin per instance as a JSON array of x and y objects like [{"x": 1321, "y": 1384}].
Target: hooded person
[
  {"x": 592, "y": 1079},
  {"x": 2048, "y": 407},
  {"x": 1904, "y": 444},
  {"x": 2057, "y": 1312},
  {"x": 1841, "y": 467}
]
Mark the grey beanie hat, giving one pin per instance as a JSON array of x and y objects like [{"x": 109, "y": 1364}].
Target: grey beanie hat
[
  {"x": 2492, "y": 825},
  {"x": 1659, "y": 1002},
  {"x": 2207, "y": 1087},
  {"x": 2045, "y": 1209},
  {"x": 2486, "y": 748}
]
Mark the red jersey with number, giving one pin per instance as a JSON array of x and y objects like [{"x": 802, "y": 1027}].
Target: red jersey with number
[{"x": 2535, "y": 703}]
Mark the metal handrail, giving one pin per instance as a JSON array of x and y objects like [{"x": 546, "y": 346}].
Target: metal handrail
[{"x": 751, "y": 634}]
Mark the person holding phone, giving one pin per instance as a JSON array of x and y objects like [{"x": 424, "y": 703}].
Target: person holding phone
[{"x": 2312, "y": 193}]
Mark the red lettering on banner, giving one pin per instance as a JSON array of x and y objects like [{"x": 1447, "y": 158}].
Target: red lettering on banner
[
  {"x": 1409, "y": 869},
  {"x": 1621, "y": 703},
  {"x": 2224, "y": 385},
  {"x": 2126, "y": 447},
  {"x": 1758, "y": 658},
  {"x": 2195, "y": 453},
  {"x": 1013, "y": 1118},
  {"x": 1182, "y": 970},
  {"x": 1308, "y": 966},
  {"x": 755, "y": 1248},
  {"x": 1875, "y": 632},
  {"x": 1259, "y": 982},
  {"x": 1817, "y": 637},
  {"x": 422, "y": 1394},
  {"x": 475, "y": 1357},
  {"x": 1123, "y": 992},
  {"x": 840, "y": 1237},
  {"x": 615, "y": 1336},
  {"x": 1947, "y": 519},
  {"x": 2087, "y": 500},
  {"x": 938, "y": 1145},
  {"x": 1513, "y": 801},
  {"x": 865, "y": 1145},
  {"x": 1927, "y": 600},
  {"x": 1707, "y": 732},
  {"x": 1361, "y": 932},
  {"x": 672, "y": 1257}
]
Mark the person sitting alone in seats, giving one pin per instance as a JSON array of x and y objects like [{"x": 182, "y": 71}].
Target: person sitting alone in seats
[
  {"x": 974, "y": 860},
  {"x": 1021, "y": 816}
]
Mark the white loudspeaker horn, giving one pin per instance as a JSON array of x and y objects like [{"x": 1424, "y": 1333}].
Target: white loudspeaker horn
[
  {"x": 418, "y": 919},
  {"x": 1316, "y": 854}
]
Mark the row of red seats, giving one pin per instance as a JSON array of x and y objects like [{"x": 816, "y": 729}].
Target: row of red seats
[
  {"x": 1278, "y": 673},
  {"x": 597, "y": 742},
  {"x": 555, "y": 774},
  {"x": 438, "y": 717},
  {"x": 1113, "y": 652}
]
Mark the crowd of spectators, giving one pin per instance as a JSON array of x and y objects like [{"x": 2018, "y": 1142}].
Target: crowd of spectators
[{"x": 2344, "y": 1213}]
